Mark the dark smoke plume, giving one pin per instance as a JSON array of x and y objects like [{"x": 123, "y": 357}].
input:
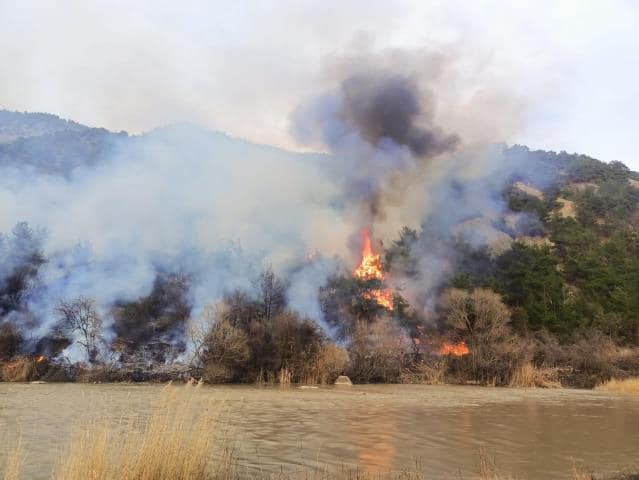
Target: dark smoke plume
[
  {"x": 388, "y": 107},
  {"x": 379, "y": 126}
]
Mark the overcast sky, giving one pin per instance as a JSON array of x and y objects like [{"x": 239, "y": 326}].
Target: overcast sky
[{"x": 571, "y": 68}]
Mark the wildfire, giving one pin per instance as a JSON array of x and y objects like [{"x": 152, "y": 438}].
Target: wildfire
[
  {"x": 40, "y": 358},
  {"x": 456, "y": 349},
  {"x": 383, "y": 297},
  {"x": 370, "y": 268}
]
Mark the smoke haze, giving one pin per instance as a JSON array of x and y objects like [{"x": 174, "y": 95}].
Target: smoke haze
[
  {"x": 243, "y": 69},
  {"x": 218, "y": 210},
  {"x": 407, "y": 136}
]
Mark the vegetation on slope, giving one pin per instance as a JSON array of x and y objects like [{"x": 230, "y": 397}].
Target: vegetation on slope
[{"x": 556, "y": 304}]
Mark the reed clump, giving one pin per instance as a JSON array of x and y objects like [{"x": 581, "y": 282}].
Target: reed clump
[
  {"x": 626, "y": 385},
  {"x": 175, "y": 444},
  {"x": 425, "y": 373},
  {"x": 529, "y": 376},
  {"x": 14, "y": 460}
]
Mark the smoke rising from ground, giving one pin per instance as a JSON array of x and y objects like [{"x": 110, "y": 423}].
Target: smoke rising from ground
[
  {"x": 388, "y": 124},
  {"x": 183, "y": 200}
]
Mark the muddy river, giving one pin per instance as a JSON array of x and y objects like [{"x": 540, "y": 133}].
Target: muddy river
[{"x": 436, "y": 429}]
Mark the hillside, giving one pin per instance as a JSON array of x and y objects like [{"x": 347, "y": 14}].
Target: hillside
[
  {"x": 50, "y": 145},
  {"x": 540, "y": 255},
  {"x": 14, "y": 125}
]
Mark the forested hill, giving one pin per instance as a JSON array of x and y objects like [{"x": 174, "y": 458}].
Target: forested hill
[
  {"x": 575, "y": 263},
  {"x": 48, "y": 144},
  {"x": 565, "y": 255},
  {"x": 14, "y": 125},
  {"x": 538, "y": 252}
]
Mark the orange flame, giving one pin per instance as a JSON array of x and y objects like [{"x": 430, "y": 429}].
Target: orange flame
[
  {"x": 40, "y": 358},
  {"x": 371, "y": 265},
  {"x": 383, "y": 297},
  {"x": 370, "y": 268},
  {"x": 457, "y": 349}
]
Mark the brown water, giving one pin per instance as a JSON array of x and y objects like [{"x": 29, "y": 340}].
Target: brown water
[{"x": 537, "y": 434}]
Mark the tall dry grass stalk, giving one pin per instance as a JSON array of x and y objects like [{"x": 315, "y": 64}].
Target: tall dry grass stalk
[
  {"x": 627, "y": 385},
  {"x": 432, "y": 373},
  {"x": 528, "y": 376},
  {"x": 488, "y": 467},
  {"x": 285, "y": 376},
  {"x": 579, "y": 473},
  {"x": 14, "y": 460},
  {"x": 175, "y": 444}
]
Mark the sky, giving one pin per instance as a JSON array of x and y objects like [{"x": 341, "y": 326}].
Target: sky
[{"x": 566, "y": 72}]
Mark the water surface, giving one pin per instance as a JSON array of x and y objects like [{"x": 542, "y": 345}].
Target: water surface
[{"x": 439, "y": 429}]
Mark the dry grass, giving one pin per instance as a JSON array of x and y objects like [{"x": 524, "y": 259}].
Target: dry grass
[
  {"x": 175, "y": 444},
  {"x": 285, "y": 376},
  {"x": 627, "y": 385},
  {"x": 22, "y": 369},
  {"x": 426, "y": 373},
  {"x": 14, "y": 461},
  {"x": 579, "y": 473},
  {"x": 566, "y": 208},
  {"x": 528, "y": 376},
  {"x": 488, "y": 467}
]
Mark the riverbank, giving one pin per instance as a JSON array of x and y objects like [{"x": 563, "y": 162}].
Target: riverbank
[{"x": 436, "y": 371}]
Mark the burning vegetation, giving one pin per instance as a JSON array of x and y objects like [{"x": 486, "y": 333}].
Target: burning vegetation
[
  {"x": 370, "y": 268},
  {"x": 490, "y": 282},
  {"x": 456, "y": 349}
]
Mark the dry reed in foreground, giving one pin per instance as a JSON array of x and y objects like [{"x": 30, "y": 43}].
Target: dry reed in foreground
[
  {"x": 14, "y": 460},
  {"x": 175, "y": 444},
  {"x": 627, "y": 385}
]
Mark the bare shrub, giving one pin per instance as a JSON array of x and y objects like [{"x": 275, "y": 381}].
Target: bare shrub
[
  {"x": 481, "y": 320},
  {"x": 224, "y": 352},
  {"x": 592, "y": 356},
  {"x": 297, "y": 342},
  {"x": 331, "y": 362},
  {"x": 548, "y": 351},
  {"x": 10, "y": 341},
  {"x": 272, "y": 293},
  {"x": 286, "y": 341},
  {"x": 431, "y": 372},
  {"x": 81, "y": 316},
  {"x": 239, "y": 309},
  {"x": 379, "y": 352}
]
